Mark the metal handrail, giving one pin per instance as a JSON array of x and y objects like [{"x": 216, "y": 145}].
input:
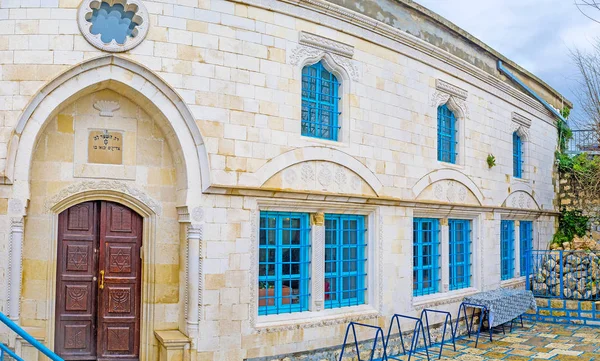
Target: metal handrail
[
  {"x": 584, "y": 141},
  {"x": 27, "y": 337}
]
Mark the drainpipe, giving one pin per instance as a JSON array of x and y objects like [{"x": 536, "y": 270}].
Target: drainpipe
[{"x": 512, "y": 77}]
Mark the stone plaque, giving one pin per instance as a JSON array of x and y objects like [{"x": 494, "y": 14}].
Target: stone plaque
[{"x": 105, "y": 147}]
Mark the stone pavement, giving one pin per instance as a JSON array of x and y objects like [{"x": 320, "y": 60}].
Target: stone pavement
[{"x": 539, "y": 341}]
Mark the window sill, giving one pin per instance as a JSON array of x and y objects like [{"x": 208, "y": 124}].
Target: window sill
[
  {"x": 450, "y": 165},
  {"x": 513, "y": 282},
  {"x": 315, "y": 318},
  {"x": 437, "y": 299},
  {"x": 325, "y": 142}
]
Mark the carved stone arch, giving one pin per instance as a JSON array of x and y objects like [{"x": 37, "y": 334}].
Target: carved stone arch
[
  {"x": 448, "y": 174},
  {"x": 521, "y": 131},
  {"x": 119, "y": 74},
  {"x": 521, "y": 199},
  {"x": 323, "y": 154}
]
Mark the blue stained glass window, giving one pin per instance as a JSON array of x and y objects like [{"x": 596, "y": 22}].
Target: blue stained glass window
[
  {"x": 446, "y": 135},
  {"x": 112, "y": 23},
  {"x": 460, "y": 253},
  {"x": 507, "y": 249},
  {"x": 345, "y": 260},
  {"x": 320, "y": 97},
  {"x": 284, "y": 263},
  {"x": 425, "y": 256},
  {"x": 526, "y": 243},
  {"x": 517, "y": 156}
]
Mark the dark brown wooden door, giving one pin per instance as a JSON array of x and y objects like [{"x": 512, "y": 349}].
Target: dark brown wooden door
[{"x": 98, "y": 282}]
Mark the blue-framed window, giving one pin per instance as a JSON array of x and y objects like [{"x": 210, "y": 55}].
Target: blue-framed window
[
  {"x": 112, "y": 22},
  {"x": 426, "y": 255},
  {"x": 517, "y": 156},
  {"x": 460, "y": 253},
  {"x": 507, "y": 249},
  {"x": 526, "y": 243},
  {"x": 284, "y": 263},
  {"x": 345, "y": 260},
  {"x": 320, "y": 98},
  {"x": 446, "y": 134}
]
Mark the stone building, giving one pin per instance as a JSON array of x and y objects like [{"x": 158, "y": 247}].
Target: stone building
[{"x": 228, "y": 180}]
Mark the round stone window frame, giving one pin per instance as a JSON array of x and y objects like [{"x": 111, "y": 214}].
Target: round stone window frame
[{"x": 87, "y": 6}]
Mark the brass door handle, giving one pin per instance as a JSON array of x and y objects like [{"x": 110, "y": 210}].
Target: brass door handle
[{"x": 101, "y": 281}]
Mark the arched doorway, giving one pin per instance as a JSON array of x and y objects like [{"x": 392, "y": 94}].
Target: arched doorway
[{"x": 98, "y": 283}]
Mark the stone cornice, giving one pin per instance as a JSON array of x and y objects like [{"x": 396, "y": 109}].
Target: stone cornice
[
  {"x": 363, "y": 201},
  {"x": 354, "y": 24},
  {"x": 451, "y": 89},
  {"x": 521, "y": 120},
  {"x": 325, "y": 44}
]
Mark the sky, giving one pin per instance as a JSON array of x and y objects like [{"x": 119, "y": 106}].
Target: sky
[{"x": 536, "y": 34}]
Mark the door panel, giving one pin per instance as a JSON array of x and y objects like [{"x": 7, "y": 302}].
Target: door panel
[
  {"x": 119, "y": 303},
  {"x": 94, "y": 323},
  {"x": 76, "y": 288}
]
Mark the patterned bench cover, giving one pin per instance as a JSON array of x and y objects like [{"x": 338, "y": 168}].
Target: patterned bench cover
[{"x": 504, "y": 304}]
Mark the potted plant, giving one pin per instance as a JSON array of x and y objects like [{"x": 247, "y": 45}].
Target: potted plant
[{"x": 266, "y": 294}]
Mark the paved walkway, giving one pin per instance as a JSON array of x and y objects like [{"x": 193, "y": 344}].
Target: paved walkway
[{"x": 539, "y": 341}]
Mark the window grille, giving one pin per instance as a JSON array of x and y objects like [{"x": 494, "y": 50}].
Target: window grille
[
  {"x": 345, "y": 260},
  {"x": 526, "y": 243},
  {"x": 284, "y": 263},
  {"x": 320, "y": 98},
  {"x": 507, "y": 249},
  {"x": 517, "y": 156},
  {"x": 425, "y": 256},
  {"x": 446, "y": 135},
  {"x": 460, "y": 253}
]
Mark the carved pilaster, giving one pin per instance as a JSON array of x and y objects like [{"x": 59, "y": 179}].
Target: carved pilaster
[
  {"x": 15, "y": 261},
  {"x": 194, "y": 237},
  {"x": 318, "y": 264}
]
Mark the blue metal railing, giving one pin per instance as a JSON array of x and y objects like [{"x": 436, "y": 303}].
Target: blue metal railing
[
  {"x": 27, "y": 337},
  {"x": 584, "y": 140},
  {"x": 571, "y": 275}
]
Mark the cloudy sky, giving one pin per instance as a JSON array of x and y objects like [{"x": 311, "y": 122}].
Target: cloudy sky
[{"x": 536, "y": 34}]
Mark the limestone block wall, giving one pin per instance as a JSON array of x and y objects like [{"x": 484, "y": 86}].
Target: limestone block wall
[{"x": 236, "y": 65}]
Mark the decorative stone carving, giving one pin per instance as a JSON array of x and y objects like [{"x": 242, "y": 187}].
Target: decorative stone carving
[
  {"x": 15, "y": 271},
  {"x": 319, "y": 176},
  {"x": 198, "y": 214},
  {"x": 520, "y": 199},
  {"x": 104, "y": 185},
  {"x": 318, "y": 244},
  {"x": 107, "y": 107},
  {"x": 15, "y": 206},
  {"x": 301, "y": 53},
  {"x": 253, "y": 266},
  {"x": 139, "y": 32},
  {"x": 521, "y": 120},
  {"x": 521, "y": 131},
  {"x": 317, "y": 219},
  {"x": 455, "y": 103},
  {"x": 326, "y": 44},
  {"x": 451, "y": 89},
  {"x": 448, "y": 191},
  {"x": 325, "y": 174}
]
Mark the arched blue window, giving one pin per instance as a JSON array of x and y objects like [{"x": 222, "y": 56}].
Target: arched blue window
[
  {"x": 320, "y": 98},
  {"x": 517, "y": 156},
  {"x": 446, "y": 135}
]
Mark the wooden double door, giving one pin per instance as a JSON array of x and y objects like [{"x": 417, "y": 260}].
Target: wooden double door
[{"x": 98, "y": 282}]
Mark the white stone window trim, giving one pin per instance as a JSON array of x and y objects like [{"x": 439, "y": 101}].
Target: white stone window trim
[
  {"x": 85, "y": 8},
  {"x": 456, "y": 100},
  {"x": 445, "y": 295},
  {"x": 517, "y": 278},
  {"x": 317, "y": 315},
  {"x": 521, "y": 126},
  {"x": 337, "y": 62}
]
